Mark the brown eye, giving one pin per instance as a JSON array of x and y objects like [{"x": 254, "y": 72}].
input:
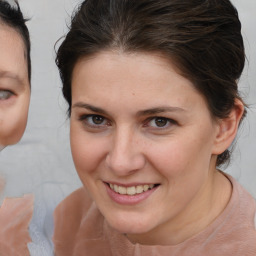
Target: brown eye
[
  {"x": 95, "y": 122},
  {"x": 160, "y": 122},
  {"x": 98, "y": 119}
]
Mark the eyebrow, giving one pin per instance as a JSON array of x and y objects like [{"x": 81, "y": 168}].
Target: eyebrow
[
  {"x": 8, "y": 74},
  {"x": 158, "y": 110},
  {"x": 89, "y": 107},
  {"x": 146, "y": 112}
]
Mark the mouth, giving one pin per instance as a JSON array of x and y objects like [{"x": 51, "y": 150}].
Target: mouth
[{"x": 131, "y": 190}]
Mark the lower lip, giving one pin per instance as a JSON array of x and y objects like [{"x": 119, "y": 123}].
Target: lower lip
[{"x": 129, "y": 200}]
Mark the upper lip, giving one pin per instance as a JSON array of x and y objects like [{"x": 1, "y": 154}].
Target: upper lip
[{"x": 130, "y": 184}]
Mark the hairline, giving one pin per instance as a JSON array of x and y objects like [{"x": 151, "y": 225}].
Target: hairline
[{"x": 5, "y": 24}]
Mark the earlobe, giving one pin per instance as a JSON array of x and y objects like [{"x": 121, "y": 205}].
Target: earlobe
[{"x": 227, "y": 128}]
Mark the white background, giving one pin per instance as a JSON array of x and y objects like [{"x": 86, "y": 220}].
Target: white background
[{"x": 41, "y": 163}]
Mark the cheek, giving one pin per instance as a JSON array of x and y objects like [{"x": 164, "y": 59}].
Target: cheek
[
  {"x": 181, "y": 156},
  {"x": 87, "y": 152},
  {"x": 13, "y": 121},
  {"x": 171, "y": 162}
]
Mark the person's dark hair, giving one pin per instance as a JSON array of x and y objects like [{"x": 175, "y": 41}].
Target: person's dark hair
[
  {"x": 12, "y": 16},
  {"x": 201, "y": 37}
]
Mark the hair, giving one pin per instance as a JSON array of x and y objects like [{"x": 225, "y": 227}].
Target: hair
[
  {"x": 12, "y": 17},
  {"x": 201, "y": 37}
]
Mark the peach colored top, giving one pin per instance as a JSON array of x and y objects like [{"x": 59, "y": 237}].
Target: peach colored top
[
  {"x": 80, "y": 230},
  {"x": 15, "y": 215}
]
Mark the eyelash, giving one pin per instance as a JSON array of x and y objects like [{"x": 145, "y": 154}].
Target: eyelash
[
  {"x": 84, "y": 119},
  {"x": 106, "y": 122},
  {"x": 169, "y": 122}
]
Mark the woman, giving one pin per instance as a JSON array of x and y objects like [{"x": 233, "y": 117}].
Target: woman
[
  {"x": 15, "y": 73},
  {"x": 154, "y": 106}
]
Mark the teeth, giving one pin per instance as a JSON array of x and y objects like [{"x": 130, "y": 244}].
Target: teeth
[
  {"x": 131, "y": 190},
  {"x": 122, "y": 190},
  {"x": 116, "y": 188},
  {"x": 139, "y": 189},
  {"x": 146, "y": 187}
]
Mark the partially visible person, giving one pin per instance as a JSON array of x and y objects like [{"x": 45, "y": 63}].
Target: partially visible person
[
  {"x": 154, "y": 107},
  {"x": 15, "y": 76}
]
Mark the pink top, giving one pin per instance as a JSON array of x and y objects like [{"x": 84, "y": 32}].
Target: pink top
[
  {"x": 15, "y": 215},
  {"x": 80, "y": 229}
]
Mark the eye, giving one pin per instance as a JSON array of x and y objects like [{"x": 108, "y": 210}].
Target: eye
[
  {"x": 98, "y": 120},
  {"x": 5, "y": 95},
  {"x": 160, "y": 122},
  {"x": 94, "y": 121}
]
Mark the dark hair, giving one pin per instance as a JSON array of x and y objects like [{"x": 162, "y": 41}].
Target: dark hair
[
  {"x": 13, "y": 17},
  {"x": 201, "y": 37}
]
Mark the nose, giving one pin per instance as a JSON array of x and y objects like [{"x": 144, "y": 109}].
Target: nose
[{"x": 125, "y": 155}]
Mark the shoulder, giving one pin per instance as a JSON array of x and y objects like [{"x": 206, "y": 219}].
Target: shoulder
[
  {"x": 68, "y": 216},
  {"x": 74, "y": 205},
  {"x": 79, "y": 227},
  {"x": 246, "y": 204},
  {"x": 242, "y": 222}
]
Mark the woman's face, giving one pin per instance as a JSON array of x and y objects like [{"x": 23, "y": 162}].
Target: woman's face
[
  {"x": 14, "y": 86},
  {"x": 143, "y": 141}
]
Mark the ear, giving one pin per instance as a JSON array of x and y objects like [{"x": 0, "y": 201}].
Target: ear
[{"x": 227, "y": 128}]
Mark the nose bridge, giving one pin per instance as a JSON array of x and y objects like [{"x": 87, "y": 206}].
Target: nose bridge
[{"x": 125, "y": 155}]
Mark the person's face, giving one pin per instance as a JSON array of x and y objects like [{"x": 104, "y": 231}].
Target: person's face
[
  {"x": 137, "y": 123},
  {"x": 14, "y": 86}
]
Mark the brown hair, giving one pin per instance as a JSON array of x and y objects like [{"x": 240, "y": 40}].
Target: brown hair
[
  {"x": 201, "y": 37},
  {"x": 12, "y": 16}
]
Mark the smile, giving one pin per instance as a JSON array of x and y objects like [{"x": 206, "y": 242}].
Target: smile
[{"x": 133, "y": 190}]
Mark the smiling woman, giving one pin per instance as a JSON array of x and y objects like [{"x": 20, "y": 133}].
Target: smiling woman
[
  {"x": 15, "y": 213},
  {"x": 153, "y": 110}
]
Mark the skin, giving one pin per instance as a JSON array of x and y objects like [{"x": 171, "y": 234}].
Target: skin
[
  {"x": 127, "y": 146},
  {"x": 14, "y": 104},
  {"x": 14, "y": 86}
]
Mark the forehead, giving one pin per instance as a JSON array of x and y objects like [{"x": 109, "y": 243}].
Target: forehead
[
  {"x": 13, "y": 58},
  {"x": 138, "y": 80},
  {"x": 138, "y": 65}
]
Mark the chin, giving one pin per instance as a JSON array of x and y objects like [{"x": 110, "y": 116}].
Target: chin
[
  {"x": 130, "y": 225},
  {"x": 12, "y": 141},
  {"x": 14, "y": 137}
]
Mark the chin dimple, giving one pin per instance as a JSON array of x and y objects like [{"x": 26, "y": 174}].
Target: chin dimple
[{"x": 133, "y": 190}]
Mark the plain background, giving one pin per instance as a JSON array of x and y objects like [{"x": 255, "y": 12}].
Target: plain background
[{"x": 41, "y": 163}]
